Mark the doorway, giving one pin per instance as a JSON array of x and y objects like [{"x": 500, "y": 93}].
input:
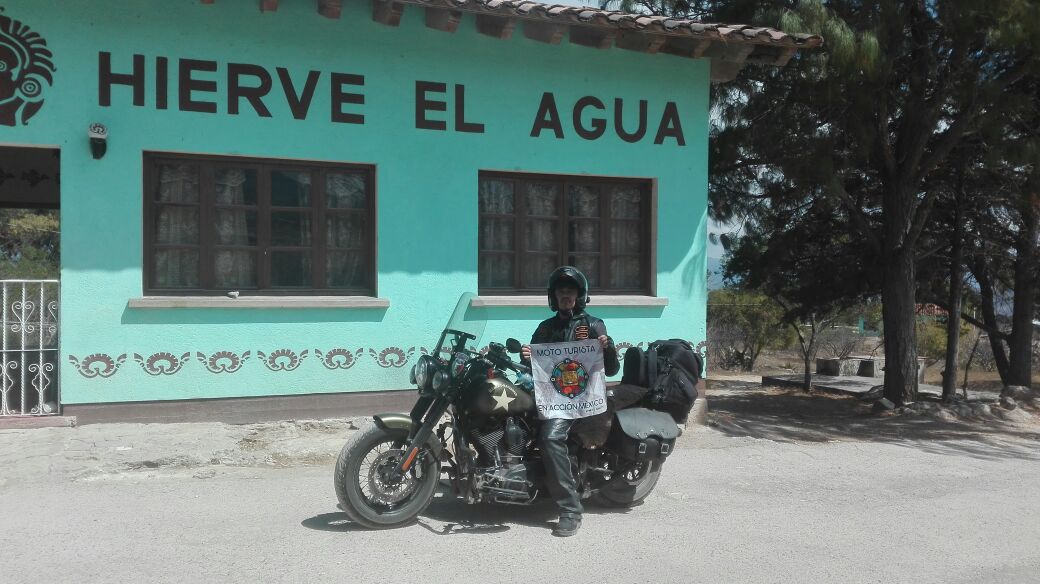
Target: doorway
[{"x": 30, "y": 267}]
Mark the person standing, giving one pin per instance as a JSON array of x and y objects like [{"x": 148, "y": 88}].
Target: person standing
[{"x": 568, "y": 295}]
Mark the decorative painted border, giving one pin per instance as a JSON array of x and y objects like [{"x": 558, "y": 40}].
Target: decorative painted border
[
  {"x": 98, "y": 365},
  {"x": 223, "y": 361},
  {"x": 339, "y": 358},
  {"x": 282, "y": 359},
  {"x": 104, "y": 366}
]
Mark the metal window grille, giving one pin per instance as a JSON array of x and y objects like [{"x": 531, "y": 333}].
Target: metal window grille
[{"x": 29, "y": 347}]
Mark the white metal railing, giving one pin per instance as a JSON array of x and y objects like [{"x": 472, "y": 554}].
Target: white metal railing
[{"x": 29, "y": 347}]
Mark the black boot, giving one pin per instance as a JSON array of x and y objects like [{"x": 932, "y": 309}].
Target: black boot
[{"x": 567, "y": 526}]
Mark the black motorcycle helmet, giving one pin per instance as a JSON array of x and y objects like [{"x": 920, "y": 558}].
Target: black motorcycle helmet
[{"x": 573, "y": 276}]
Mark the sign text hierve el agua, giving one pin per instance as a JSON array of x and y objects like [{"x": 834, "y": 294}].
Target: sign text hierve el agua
[{"x": 254, "y": 86}]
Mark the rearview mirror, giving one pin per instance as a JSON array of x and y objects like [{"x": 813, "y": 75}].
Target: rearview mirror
[{"x": 513, "y": 345}]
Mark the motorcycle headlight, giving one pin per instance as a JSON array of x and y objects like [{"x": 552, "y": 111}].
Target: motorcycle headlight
[
  {"x": 423, "y": 371},
  {"x": 440, "y": 380}
]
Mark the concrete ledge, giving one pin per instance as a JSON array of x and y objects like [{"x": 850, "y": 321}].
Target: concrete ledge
[
  {"x": 258, "y": 302},
  {"x": 618, "y": 300},
  {"x": 246, "y": 410},
  {"x": 845, "y": 384},
  {"x": 20, "y": 422}
]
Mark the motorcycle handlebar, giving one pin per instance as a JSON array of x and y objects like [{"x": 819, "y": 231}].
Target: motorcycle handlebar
[{"x": 504, "y": 361}]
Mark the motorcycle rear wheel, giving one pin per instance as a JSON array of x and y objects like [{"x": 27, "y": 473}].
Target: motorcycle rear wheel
[
  {"x": 366, "y": 491},
  {"x": 628, "y": 489}
]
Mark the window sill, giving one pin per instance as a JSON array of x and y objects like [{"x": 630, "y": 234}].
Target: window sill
[
  {"x": 258, "y": 302},
  {"x": 618, "y": 300}
]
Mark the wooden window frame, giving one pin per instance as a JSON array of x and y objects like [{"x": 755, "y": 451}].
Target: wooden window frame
[
  {"x": 207, "y": 238},
  {"x": 648, "y": 232}
]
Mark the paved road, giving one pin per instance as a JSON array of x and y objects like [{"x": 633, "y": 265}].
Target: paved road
[{"x": 726, "y": 510}]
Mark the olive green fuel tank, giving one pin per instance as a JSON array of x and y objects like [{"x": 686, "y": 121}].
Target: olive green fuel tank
[{"x": 496, "y": 397}]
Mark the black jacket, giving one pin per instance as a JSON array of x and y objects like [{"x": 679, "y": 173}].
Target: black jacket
[{"x": 559, "y": 330}]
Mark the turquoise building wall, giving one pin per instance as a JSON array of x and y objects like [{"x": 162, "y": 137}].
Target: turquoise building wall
[{"x": 426, "y": 182}]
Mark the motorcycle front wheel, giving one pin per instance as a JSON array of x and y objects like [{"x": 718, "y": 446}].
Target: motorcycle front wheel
[
  {"x": 369, "y": 492},
  {"x": 629, "y": 488}
]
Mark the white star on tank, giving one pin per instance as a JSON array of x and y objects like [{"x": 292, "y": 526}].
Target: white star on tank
[{"x": 503, "y": 399}]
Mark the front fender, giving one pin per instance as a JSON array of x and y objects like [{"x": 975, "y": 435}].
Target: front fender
[{"x": 404, "y": 422}]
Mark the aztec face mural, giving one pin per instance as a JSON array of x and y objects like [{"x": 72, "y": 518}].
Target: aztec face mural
[{"x": 26, "y": 69}]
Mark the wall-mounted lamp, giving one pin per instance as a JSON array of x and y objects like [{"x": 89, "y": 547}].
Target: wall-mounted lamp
[{"x": 98, "y": 134}]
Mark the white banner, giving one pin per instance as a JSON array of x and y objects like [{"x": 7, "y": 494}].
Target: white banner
[{"x": 568, "y": 379}]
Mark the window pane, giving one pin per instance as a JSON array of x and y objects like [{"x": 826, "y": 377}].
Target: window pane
[
  {"x": 290, "y": 188},
  {"x": 542, "y": 235},
  {"x": 496, "y": 196},
  {"x": 235, "y": 227},
  {"x": 177, "y": 225},
  {"x": 346, "y": 269},
  {"x": 626, "y": 238},
  {"x": 345, "y": 230},
  {"x": 176, "y": 268},
  {"x": 496, "y": 271},
  {"x": 583, "y": 201},
  {"x": 496, "y": 234},
  {"x": 625, "y": 202},
  {"x": 626, "y": 272},
  {"x": 589, "y": 265},
  {"x": 290, "y": 269},
  {"x": 583, "y": 236},
  {"x": 234, "y": 186},
  {"x": 289, "y": 228},
  {"x": 542, "y": 199},
  {"x": 537, "y": 269},
  {"x": 346, "y": 190},
  {"x": 178, "y": 183},
  {"x": 234, "y": 269}
]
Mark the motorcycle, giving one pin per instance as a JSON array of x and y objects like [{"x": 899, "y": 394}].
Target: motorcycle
[{"x": 479, "y": 429}]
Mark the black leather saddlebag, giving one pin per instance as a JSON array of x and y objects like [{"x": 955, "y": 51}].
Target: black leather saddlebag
[{"x": 639, "y": 434}]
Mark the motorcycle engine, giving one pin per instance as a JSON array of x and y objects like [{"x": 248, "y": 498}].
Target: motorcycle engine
[
  {"x": 501, "y": 444},
  {"x": 501, "y": 475}
]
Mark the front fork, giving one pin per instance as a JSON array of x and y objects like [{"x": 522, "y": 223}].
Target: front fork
[{"x": 425, "y": 415}]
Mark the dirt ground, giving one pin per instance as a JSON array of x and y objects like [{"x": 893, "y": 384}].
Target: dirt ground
[{"x": 740, "y": 406}]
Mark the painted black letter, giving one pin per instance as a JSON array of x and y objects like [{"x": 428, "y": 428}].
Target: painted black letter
[
  {"x": 599, "y": 125},
  {"x": 619, "y": 125},
  {"x": 106, "y": 79},
  {"x": 547, "y": 117},
  {"x": 340, "y": 97},
  {"x": 162, "y": 82},
  {"x": 423, "y": 105},
  {"x": 298, "y": 104},
  {"x": 255, "y": 95},
  {"x": 187, "y": 85},
  {"x": 670, "y": 125},
  {"x": 461, "y": 125}
]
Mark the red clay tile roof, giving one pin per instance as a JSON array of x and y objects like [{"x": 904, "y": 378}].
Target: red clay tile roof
[
  {"x": 728, "y": 46},
  {"x": 663, "y": 25}
]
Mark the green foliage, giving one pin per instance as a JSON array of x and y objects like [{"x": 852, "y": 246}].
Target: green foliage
[
  {"x": 741, "y": 325},
  {"x": 29, "y": 244},
  {"x": 931, "y": 339}
]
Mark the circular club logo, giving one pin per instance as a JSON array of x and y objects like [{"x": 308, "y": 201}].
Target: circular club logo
[
  {"x": 26, "y": 69},
  {"x": 569, "y": 378}
]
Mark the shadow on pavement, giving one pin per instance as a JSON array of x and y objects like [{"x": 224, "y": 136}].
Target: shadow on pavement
[
  {"x": 450, "y": 515},
  {"x": 337, "y": 521},
  {"x": 740, "y": 408}
]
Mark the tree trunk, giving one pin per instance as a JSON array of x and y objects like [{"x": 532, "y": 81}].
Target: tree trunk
[
  {"x": 807, "y": 379},
  {"x": 898, "y": 295},
  {"x": 1020, "y": 342},
  {"x": 989, "y": 318},
  {"x": 953, "y": 318}
]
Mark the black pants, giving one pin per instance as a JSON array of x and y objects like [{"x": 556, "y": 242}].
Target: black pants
[{"x": 560, "y": 475}]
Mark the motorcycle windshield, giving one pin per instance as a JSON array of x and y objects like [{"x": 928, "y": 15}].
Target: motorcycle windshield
[{"x": 465, "y": 319}]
